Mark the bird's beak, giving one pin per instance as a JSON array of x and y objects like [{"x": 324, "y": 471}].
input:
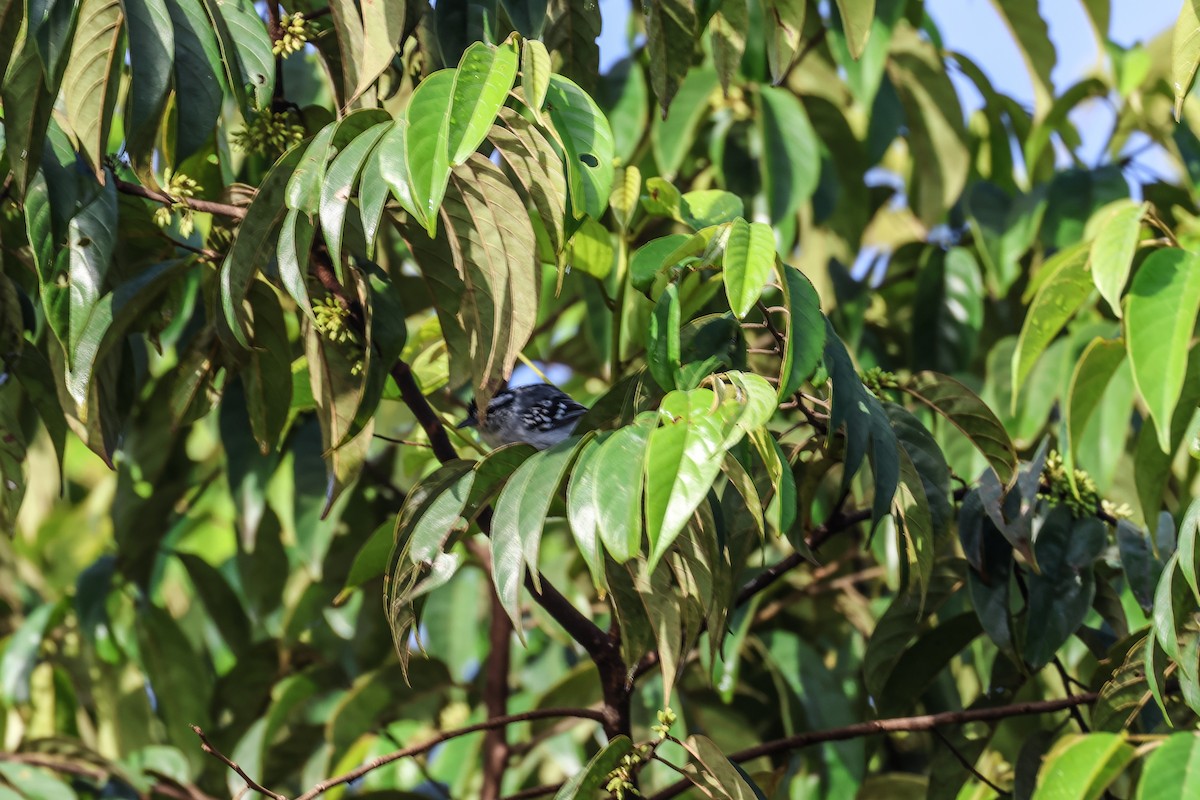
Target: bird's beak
[{"x": 469, "y": 422}]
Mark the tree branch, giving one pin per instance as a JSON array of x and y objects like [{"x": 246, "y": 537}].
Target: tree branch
[
  {"x": 495, "y": 698},
  {"x": 207, "y": 206},
  {"x": 924, "y": 722},
  {"x": 207, "y": 747}
]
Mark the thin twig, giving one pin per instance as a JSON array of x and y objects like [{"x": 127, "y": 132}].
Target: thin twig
[
  {"x": 968, "y": 765},
  {"x": 207, "y": 747},
  {"x": 923, "y": 722},
  {"x": 534, "y": 791}
]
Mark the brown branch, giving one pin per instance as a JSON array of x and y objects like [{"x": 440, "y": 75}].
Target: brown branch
[
  {"x": 534, "y": 791},
  {"x": 207, "y": 747},
  {"x": 207, "y": 206},
  {"x": 164, "y": 785},
  {"x": 924, "y": 722},
  {"x": 495, "y": 698}
]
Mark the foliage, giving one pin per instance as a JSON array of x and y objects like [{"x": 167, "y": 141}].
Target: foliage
[{"x": 894, "y": 427}]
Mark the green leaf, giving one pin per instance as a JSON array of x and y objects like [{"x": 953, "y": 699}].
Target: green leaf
[
  {"x": 675, "y": 132},
  {"x": 1095, "y": 368},
  {"x": 704, "y": 208},
  {"x": 613, "y": 508},
  {"x": 1172, "y": 769},
  {"x": 252, "y": 248},
  {"x": 91, "y": 80},
  {"x": 591, "y": 249},
  {"x": 1160, "y": 318},
  {"x": 728, "y": 29},
  {"x": 970, "y": 415},
  {"x": 791, "y": 161},
  {"x": 715, "y": 774},
  {"x": 535, "y": 73},
  {"x": 1117, "y": 228},
  {"x": 292, "y": 254},
  {"x": 268, "y": 373},
  {"x": 594, "y": 777},
  {"x": 517, "y": 524},
  {"x": 481, "y": 84},
  {"x": 571, "y": 32},
  {"x": 936, "y": 135},
  {"x": 28, "y": 103},
  {"x": 662, "y": 343},
  {"x": 583, "y": 505},
  {"x": 338, "y": 182},
  {"x": 1030, "y": 33},
  {"x": 856, "y": 20},
  {"x": 91, "y": 237},
  {"x": 671, "y": 29},
  {"x": 626, "y": 100},
  {"x": 198, "y": 88},
  {"x": 683, "y": 459},
  {"x": 587, "y": 144},
  {"x": 21, "y": 654},
  {"x": 1185, "y": 52},
  {"x": 223, "y": 606},
  {"x": 749, "y": 259},
  {"x": 383, "y": 27},
  {"x": 527, "y": 156},
  {"x": 427, "y": 144},
  {"x": 650, "y": 258},
  {"x": 785, "y": 27},
  {"x": 1060, "y": 595},
  {"x": 1066, "y": 285},
  {"x": 304, "y": 185},
  {"x": 51, "y": 24},
  {"x": 482, "y": 270},
  {"x": 527, "y": 16},
  {"x": 1189, "y": 552},
  {"x": 948, "y": 310},
  {"x": 246, "y": 50},
  {"x": 152, "y": 61},
  {"x": 805, "y": 329},
  {"x": 1083, "y": 765}
]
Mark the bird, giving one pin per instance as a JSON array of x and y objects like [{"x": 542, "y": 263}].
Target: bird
[{"x": 538, "y": 414}]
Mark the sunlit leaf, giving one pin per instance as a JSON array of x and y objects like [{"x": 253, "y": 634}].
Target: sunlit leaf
[
  {"x": 588, "y": 145},
  {"x": 1116, "y": 230},
  {"x": 749, "y": 258},
  {"x": 1060, "y": 294},
  {"x": 670, "y": 40},
  {"x": 1083, "y": 765}
]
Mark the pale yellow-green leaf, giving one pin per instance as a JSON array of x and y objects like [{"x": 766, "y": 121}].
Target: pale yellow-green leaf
[{"x": 1185, "y": 52}]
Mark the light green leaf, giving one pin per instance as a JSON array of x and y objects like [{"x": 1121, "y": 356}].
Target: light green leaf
[
  {"x": 682, "y": 460},
  {"x": 591, "y": 249},
  {"x": 427, "y": 144},
  {"x": 21, "y": 654},
  {"x": 535, "y": 73},
  {"x": 749, "y": 259},
  {"x": 91, "y": 237},
  {"x": 1185, "y": 52},
  {"x": 481, "y": 84},
  {"x": 1160, "y": 318},
  {"x": 1172, "y": 769},
  {"x": 1032, "y": 37},
  {"x": 856, "y": 20},
  {"x": 670, "y": 42},
  {"x": 791, "y": 161},
  {"x": 1083, "y": 766},
  {"x": 338, "y": 182},
  {"x": 292, "y": 253},
  {"x": 703, "y": 208},
  {"x": 1096, "y": 366},
  {"x": 650, "y": 258},
  {"x": 1116, "y": 229},
  {"x": 588, "y": 145},
  {"x": 675, "y": 132},
  {"x": 619, "y": 517},
  {"x": 520, "y": 516},
  {"x": 1067, "y": 283}
]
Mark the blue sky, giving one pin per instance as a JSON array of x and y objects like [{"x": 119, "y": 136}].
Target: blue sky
[{"x": 973, "y": 27}]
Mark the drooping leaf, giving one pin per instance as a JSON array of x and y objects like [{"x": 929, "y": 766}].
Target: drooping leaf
[
  {"x": 856, "y": 20},
  {"x": 152, "y": 60},
  {"x": 1172, "y": 769},
  {"x": 527, "y": 155},
  {"x": 948, "y": 310},
  {"x": 595, "y": 776},
  {"x": 535, "y": 73},
  {"x": 1185, "y": 52},
  {"x": 728, "y": 29},
  {"x": 246, "y": 51},
  {"x": 675, "y": 132},
  {"x": 338, "y": 183},
  {"x": 91, "y": 80},
  {"x": 1116, "y": 230},
  {"x": 198, "y": 89},
  {"x": 520, "y": 516},
  {"x": 252, "y": 247},
  {"x": 1164, "y": 301},
  {"x": 427, "y": 144},
  {"x": 1066, "y": 285},
  {"x": 481, "y": 84},
  {"x": 670, "y": 40},
  {"x": 292, "y": 256},
  {"x": 790, "y": 165},
  {"x": 572, "y": 27},
  {"x": 662, "y": 343},
  {"x": 806, "y": 330},
  {"x": 28, "y": 103},
  {"x": 970, "y": 415},
  {"x": 784, "y": 20},
  {"x": 1096, "y": 366},
  {"x": 1029, "y": 31},
  {"x": 383, "y": 25},
  {"x": 749, "y": 258},
  {"x": 1083, "y": 765},
  {"x": 481, "y": 268}
]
